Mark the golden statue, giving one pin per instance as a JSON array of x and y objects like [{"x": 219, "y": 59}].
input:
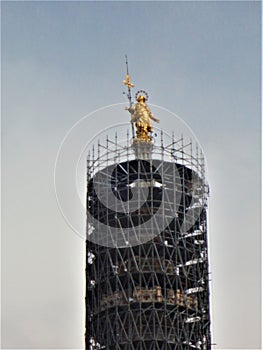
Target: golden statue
[{"x": 142, "y": 116}]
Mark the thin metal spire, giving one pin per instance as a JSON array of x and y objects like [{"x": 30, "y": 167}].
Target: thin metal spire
[{"x": 130, "y": 85}]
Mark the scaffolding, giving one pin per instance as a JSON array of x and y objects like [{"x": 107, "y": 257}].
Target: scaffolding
[{"x": 147, "y": 263}]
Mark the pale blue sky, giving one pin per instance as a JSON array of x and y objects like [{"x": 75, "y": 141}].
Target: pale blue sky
[{"x": 62, "y": 60}]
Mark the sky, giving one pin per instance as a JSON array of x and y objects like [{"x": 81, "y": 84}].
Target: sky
[{"x": 62, "y": 61}]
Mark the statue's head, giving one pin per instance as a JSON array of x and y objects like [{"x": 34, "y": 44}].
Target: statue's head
[{"x": 141, "y": 98}]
